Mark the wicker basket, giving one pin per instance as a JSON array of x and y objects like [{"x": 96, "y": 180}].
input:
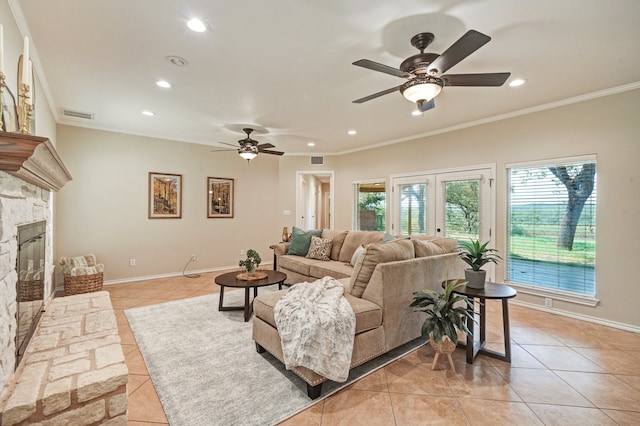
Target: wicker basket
[
  {"x": 82, "y": 284},
  {"x": 30, "y": 290}
]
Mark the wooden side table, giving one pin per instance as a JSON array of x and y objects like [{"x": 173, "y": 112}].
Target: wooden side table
[{"x": 490, "y": 291}]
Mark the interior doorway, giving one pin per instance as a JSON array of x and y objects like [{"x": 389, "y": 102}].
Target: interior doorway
[{"x": 314, "y": 199}]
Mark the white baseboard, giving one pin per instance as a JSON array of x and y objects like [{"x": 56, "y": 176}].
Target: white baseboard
[
  {"x": 167, "y": 275},
  {"x": 608, "y": 323}
]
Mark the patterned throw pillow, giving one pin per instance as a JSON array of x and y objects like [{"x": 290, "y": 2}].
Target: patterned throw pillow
[{"x": 320, "y": 248}]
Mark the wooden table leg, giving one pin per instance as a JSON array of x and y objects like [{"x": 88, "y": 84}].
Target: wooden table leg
[
  {"x": 246, "y": 304},
  {"x": 470, "y": 338},
  {"x": 506, "y": 329},
  {"x": 221, "y": 298}
]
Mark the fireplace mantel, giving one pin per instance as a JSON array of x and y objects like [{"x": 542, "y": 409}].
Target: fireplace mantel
[{"x": 32, "y": 159}]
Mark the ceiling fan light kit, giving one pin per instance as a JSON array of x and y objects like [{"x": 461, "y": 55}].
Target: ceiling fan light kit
[
  {"x": 249, "y": 148},
  {"x": 421, "y": 88}
]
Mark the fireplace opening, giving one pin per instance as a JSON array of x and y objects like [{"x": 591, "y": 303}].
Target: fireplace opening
[{"x": 30, "y": 266}]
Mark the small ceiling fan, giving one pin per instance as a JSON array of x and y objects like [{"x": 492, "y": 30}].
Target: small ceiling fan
[
  {"x": 249, "y": 148},
  {"x": 424, "y": 71}
]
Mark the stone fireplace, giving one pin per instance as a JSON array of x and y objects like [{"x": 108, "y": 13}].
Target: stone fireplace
[
  {"x": 20, "y": 203},
  {"x": 30, "y": 169},
  {"x": 72, "y": 371}
]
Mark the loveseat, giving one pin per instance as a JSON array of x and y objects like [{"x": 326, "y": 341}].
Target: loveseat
[{"x": 379, "y": 288}]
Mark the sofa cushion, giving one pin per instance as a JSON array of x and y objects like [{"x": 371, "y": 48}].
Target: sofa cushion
[
  {"x": 425, "y": 248},
  {"x": 320, "y": 248},
  {"x": 374, "y": 254},
  {"x": 332, "y": 268},
  {"x": 297, "y": 264},
  {"x": 338, "y": 240},
  {"x": 300, "y": 240},
  {"x": 355, "y": 239},
  {"x": 449, "y": 245},
  {"x": 368, "y": 314}
]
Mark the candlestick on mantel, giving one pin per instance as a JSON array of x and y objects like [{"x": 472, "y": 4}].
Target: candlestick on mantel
[
  {"x": 25, "y": 61},
  {"x": 1, "y": 49}
]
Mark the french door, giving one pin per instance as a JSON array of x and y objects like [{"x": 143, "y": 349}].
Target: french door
[{"x": 456, "y": 204}]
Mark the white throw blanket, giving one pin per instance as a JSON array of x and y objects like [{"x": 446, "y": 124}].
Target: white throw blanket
[{"x": 317, "y": 327}]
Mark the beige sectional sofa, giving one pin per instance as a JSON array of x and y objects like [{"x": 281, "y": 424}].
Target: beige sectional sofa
[{"x": 379, "y": 288}]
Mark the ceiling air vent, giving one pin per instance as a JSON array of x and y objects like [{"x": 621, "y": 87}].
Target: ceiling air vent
[
  {"x": 77, "y": 114},
  {"x": 317, "y": 160}
]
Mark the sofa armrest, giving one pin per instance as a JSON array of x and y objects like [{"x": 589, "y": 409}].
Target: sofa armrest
[
  {"x": 279, "y": 249},
  {"x": 392, "y": 285}
]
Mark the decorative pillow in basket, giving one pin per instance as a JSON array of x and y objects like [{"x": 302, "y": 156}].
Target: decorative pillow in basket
[{"x": 82, "y": 274}]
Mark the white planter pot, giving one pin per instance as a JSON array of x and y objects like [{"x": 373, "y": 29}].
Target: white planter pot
[{"x": 475, "y": 279}]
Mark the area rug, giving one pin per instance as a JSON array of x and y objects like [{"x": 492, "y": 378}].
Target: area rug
[{"x": 206, "y": 371}]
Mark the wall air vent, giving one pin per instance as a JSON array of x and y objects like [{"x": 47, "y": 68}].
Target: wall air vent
[
  {"x": 317, "y": 160},
  {"x": 77, "y": 114}
]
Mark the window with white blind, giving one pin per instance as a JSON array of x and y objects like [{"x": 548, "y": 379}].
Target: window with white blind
[
  {"x": 370, "y": 205},
  {"x": 552, "y": 225}
]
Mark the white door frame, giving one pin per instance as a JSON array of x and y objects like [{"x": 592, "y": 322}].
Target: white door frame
[{"x": 300, "y": 175}]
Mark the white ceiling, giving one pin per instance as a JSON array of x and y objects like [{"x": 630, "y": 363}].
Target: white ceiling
[{"x": 284, "y": 66}]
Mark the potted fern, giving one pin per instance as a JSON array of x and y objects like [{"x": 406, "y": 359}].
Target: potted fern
[
  {"x": 477, "y": 255},
  {"x": 251, "y": 263},
  {"x": 445, "y": 316}
]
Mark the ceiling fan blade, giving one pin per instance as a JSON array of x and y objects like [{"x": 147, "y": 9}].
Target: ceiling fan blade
[
  {"x": 365, "y": 63},
  {"x": 268, "y": 151},
  {"x": 376, "y": 95},
  {"x": 471, "y": 41},
  {"x": 265, "y": 146},
  {"x": 490, "y": 79},
  {"x": 426, "y": 106},
  {"x": 228, "y": 144}
]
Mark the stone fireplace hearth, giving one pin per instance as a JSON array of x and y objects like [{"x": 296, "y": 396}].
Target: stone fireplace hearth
[{"x": 30, "y": 169}]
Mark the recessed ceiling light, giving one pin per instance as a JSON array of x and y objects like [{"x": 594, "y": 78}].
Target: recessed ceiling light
[
  {"x": 148, "y": 113},
  {"x": 311, "y": 144},
  {"x": 163, "y": 83},
  {"x": 352, "y": 132},
  {"x": 517, "y": 82},
  {"x": 197, "y": 25}
]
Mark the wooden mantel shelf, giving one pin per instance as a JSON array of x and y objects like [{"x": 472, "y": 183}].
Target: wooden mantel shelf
[{"x": 32, "y": 159}]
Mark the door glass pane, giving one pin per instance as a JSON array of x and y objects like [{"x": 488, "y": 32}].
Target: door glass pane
[
  {"x": 462, "y": 209},
  {"x": 371, "y": 205},
  {"x": 413, "y": 209}
]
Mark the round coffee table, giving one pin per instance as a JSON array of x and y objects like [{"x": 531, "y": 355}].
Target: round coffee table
[{"x": 230, "y": 280}]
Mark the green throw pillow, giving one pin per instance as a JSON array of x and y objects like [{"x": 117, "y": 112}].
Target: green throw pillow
[{"x": 301, "y": 239}]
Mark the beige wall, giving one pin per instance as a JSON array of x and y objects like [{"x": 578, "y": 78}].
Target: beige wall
[
  {"x": 607, "y": 126},
  {"x": 103, "y": 210}
]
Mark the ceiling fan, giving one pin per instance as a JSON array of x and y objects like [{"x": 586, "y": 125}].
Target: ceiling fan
[
  {"x": 424, "y": 71},
  {"x": 249, "y": 148}
]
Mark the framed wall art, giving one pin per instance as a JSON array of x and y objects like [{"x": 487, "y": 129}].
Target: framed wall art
[
  {"x": 165, "y": 196},
  {"x": 219, "y": 197}
]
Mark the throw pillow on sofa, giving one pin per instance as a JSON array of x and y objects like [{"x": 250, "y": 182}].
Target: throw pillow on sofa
[
  {"x": 356, "y": 255},
  {"x": 301, "y": 240},
  {"x": 374, "y": 254},
  {"x": 320, "y": 248}
]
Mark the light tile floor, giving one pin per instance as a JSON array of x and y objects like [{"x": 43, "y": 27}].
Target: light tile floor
[{"x": 563, "y": 372}]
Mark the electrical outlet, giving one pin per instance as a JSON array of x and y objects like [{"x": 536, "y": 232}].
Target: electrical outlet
[
  {"x": 132, "y": 262},
  {"x": 194, "y": 257},
  {"x": 241, "y": 252},
  {"x": 548, "y": 302}
]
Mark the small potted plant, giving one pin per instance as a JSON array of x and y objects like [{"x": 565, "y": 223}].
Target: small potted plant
[
  {"x": 477, "y": 255},
  {"x": 251, "y": 263},
  {"x": 445, "y": 316}
]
